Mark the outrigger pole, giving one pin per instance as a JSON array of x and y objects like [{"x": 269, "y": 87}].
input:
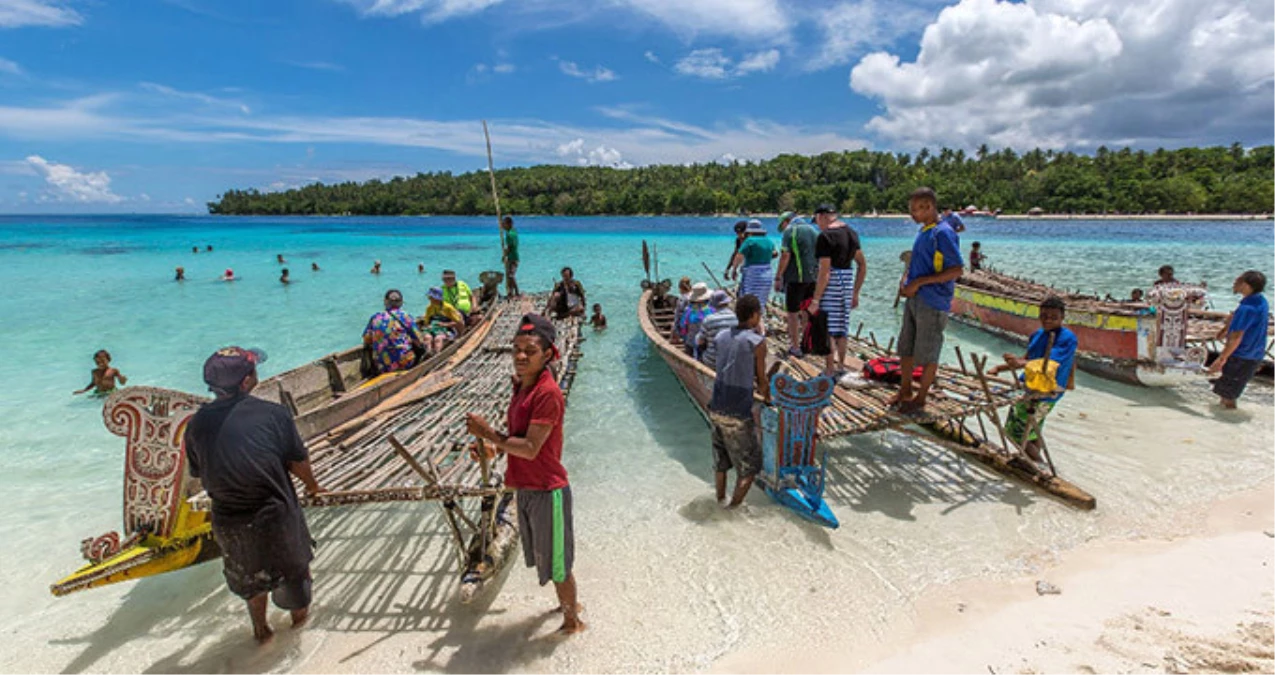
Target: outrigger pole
[{"x": 495, "y": 195}]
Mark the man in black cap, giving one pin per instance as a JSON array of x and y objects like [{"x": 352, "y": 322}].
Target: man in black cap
[
  {"x": 533, "y": 442},
  {"x": 243, "y": 449}
]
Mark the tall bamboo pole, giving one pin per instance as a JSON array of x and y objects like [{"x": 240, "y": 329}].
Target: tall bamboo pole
[{"x": 495, "y": 195}]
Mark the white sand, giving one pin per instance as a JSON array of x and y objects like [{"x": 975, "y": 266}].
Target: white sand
[{"x": 1197, "y": 605}]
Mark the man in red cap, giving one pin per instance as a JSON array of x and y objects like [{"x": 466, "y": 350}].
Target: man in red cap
[
  {"x": 534, "y": 446},
  {"x": 243, "y": 449}
]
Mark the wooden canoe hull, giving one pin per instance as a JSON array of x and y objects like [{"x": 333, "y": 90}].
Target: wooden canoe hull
[{"x": 1111, "y": 345}]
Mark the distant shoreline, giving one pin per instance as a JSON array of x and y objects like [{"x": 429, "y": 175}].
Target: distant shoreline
[{"x": 1047, "y": 216}]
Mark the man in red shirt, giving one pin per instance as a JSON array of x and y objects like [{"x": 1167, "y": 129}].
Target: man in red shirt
[{"x": 534, "y": 447}]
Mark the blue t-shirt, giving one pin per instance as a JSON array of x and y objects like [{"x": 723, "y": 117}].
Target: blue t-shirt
[
  {"x": 736, "y": 372},
  {"x": 1251, "y": 317},
  {"x": 953, "y": 220},
  {"x": 1064, "y": 352},
  {"x": 936, "y": 248}
]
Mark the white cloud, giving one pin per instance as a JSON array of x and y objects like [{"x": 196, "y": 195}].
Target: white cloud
[
  {"x": 431, "y": 11},
  {"x": 596, "y": 74},
  {"x": 16, "y": 13},
  {"x": 67, "y": 184},
  {"x": 759, "y": 62},
  {"x": 1080, "y": 73},
  {"x": 7, "y": 66},
  {"x": 503, "y": 68},
  {"x": 710, "y": 64},
  {"x": 849, "y": 28},
  {"x": 599, "y": 156},
  {"x": 744, "y": 18},
  {"x": 318, "y": 65},
  {"x": 713, "y": 64},
  {"x": 651, "y": 56},
  {"x": 195, "y": 96}
]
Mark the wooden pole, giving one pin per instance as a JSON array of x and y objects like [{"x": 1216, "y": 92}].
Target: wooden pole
[
  {"x": 495, "y": 195},
  {"x": 712, "y": 276}
]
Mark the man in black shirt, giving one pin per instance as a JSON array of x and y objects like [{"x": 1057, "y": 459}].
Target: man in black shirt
[
  {"x": 243, "y": 448},
  {"x": 837, "y": 286}
]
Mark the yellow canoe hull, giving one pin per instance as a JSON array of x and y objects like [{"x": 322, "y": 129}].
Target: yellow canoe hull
[{"x": 193, "y": 544}]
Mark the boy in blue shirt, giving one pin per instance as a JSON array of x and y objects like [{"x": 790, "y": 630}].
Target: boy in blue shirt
[
  {"x": 935, "y": 266},
  {"x": 1245, "y": 335},
  {"x": 1026, "y": 418}
]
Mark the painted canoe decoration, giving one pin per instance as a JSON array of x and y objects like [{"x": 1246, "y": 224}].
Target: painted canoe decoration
[
  {"x": 1164, "y": 343},
  {"x": 793, "y": 471},
  {"x": 352, "y": 428}
]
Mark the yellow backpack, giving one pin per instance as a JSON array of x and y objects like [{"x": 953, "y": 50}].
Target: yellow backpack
[{"x": 1041, "y": 375}]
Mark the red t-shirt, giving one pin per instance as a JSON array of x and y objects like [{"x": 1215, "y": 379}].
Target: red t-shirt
[{"x": 541, "y": 403}]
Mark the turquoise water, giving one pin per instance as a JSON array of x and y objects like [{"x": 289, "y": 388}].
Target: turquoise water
[{"x": 636, "y": 450}]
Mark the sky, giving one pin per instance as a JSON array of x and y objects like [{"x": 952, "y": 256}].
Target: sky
[{"x": 160, "y": 105}]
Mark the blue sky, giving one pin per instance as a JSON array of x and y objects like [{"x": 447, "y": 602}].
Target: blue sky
[{"x": 160, "y": 105}]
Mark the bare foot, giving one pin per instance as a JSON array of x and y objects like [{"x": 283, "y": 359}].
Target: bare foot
[
  {"x": 571, "y": 626},
  {"x": 262, "y": 633},
  {"x": 559, "y": 609},
  {"x": 912, "y": 405},
  {"x": 300, "y": 616},
  {"x": 899, "y": 397}
]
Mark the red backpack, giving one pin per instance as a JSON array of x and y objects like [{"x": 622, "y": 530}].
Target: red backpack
[{"x": 886, "y": 369}]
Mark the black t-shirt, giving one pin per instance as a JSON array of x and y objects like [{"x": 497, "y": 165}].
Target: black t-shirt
[
  {"x": 840, "y": 244},
  {"x": 240, "y": 448}
]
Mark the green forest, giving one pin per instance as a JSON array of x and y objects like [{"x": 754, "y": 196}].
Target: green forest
[{"x": 1126, "y": 181}]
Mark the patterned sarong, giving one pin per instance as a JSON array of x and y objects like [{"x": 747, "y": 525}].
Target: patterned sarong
[
  {"x": 757, "y": 280},
  {"x": 836, "y": 301}
]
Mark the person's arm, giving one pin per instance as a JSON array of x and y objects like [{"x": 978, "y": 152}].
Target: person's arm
[
  {"x": 759, "y": 368},
  {"x": 526, "y": 447},
  {"x": 303, "y": 471},
  {"x": 821, "y": 284},
  {"x": 948, "y": 274},
  {"x": 92, "y": 382},
  {"x": 861, "y": 262},
  {"x": 116, "y": 374},
  {"x": 1012, "y": 362},
  {"x": 736, "y": 262},
  {"x": 779, "y": 273},
  {"x": 1233, "y": 340},
  {"x": 1226, "y": 327}
]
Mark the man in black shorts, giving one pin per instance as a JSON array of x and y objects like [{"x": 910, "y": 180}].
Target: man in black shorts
[
  {"x": 243, "y": 449},
  {"x": 796, "y": 276}
]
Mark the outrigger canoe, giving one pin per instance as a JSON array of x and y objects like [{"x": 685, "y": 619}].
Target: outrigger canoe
[
  {"x": 1163, "y": 343},
  {"x": 163, "y": 530},
  {"x": 962, "y": 416}
]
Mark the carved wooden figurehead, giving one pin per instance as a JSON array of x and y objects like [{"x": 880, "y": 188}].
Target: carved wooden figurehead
[
  {"x": 152, "y": 422},
  {"x": 1173, "y": 303},
  {"x": 799, "y": 403}
]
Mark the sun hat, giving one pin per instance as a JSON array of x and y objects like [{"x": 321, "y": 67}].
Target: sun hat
[
  {"x": 535, "y": 324},
  {"x": 226, "y": 369},
  {"x": 755, "y": 227},
  {"x": 436, "y": 293},
  {"x": 786, "y": 215},
  {"x": 719, "y": 299},
  {"x": 699, "y": 292}
]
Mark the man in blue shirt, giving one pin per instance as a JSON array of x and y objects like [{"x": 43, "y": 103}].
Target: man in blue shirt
[
  {"x": 1054, "y": 343},
  {"x": 935, "y": 266},
  {"x": 1245, "y": 335},
  {"x": 955, "y": 221}
]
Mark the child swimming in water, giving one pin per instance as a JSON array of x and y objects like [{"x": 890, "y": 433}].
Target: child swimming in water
[
  {"x": 598, "y": 320},
  {"x": 102, "y": 378}
]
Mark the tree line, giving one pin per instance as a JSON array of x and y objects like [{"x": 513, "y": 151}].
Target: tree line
[{"x": 1125, "y": 181}]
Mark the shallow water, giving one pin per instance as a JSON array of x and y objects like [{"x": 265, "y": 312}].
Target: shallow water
[{"x": 670, "y": 581}]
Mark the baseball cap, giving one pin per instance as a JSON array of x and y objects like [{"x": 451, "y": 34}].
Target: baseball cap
[
  {"x": 825, "y": 208},
  {"x": 227, "y": 367},
  {"x": 719, "y": 298},
  {"x": 534, "y": 324},
  {"x": 435, "y": 293}
]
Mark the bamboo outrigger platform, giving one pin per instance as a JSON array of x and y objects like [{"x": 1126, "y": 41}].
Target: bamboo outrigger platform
[
  {"x": 410, "y": 446},
  {"x": 963, "y": 413}
]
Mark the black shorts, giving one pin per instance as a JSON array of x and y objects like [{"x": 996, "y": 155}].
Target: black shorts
[
  {"x": 1235, "y": 376},
  {"x": 270, "y": 553},
  {"x": 795, "y": 294}
]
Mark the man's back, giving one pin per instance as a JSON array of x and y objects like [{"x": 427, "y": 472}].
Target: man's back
[
  {"x": 736, "y": 372},
  {"x": 240, "y": 449},
  {"x": 714, "y": 324},
  {"x": 799, "y": 240}
]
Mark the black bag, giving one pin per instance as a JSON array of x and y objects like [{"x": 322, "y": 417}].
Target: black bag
[
  {"x": 816, "y": 339},
  {"x": 367, "y": 363}
]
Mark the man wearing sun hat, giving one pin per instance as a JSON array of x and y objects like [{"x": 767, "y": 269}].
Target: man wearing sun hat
[{"x": 243, "y": 449}]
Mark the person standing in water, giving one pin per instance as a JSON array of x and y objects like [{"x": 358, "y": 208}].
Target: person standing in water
[
  {"x": 102, "y": 378},
  {"x": 533, "y": 444},
  {"x": 511, "y": 257},
  {"x": 283, "y": 278},
  {"x": 376, "y": 267},
  {"x": 314, "y": 267},
  {"x": 933, "y": 269},
  {"x": 181, "y": 274},
  {"x": 740, "y": 355},
  {"x": 279, "y": 257},
  {"x": 1245, "y": 335},
  {"x": 243, "y": 449}
]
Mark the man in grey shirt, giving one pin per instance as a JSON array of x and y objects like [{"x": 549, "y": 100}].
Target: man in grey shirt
[{"x": 741, "y": 370}]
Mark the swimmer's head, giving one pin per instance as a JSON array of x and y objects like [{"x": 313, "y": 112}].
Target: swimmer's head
[{"x": 102, "y": 357}]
